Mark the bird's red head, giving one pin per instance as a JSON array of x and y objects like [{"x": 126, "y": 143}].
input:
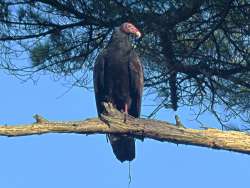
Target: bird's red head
[{"x": 130, "y": 28}]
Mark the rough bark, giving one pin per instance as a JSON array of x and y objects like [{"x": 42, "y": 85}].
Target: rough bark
[{"x": 138, "y": 128}]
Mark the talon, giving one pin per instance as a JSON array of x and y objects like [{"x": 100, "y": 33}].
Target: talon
[
  {"x": 125, "y": 113},
  {"x": 125, "y": 118}
]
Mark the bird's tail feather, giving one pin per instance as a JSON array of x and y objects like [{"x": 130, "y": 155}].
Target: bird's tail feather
[{"x": 123, "y": 147}]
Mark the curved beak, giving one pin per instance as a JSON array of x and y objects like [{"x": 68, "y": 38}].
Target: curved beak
[{"x": 137, "y": 34}]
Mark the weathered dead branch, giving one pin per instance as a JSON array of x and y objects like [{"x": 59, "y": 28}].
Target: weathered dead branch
[{"x": 138, "y": 128}]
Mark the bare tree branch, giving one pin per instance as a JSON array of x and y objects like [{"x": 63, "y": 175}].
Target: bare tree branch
[{"x": 138, "y": 128}]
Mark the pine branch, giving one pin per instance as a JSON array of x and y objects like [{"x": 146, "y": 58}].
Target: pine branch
[{"x": 138, "y": 128}]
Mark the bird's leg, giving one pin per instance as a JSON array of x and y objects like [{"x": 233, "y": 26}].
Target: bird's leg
[{"x": 125, "y": 112}]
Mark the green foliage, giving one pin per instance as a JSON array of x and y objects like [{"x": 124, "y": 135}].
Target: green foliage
[
  {"x": 4, "y": 12},
  {"x": 39, "y": 54}
]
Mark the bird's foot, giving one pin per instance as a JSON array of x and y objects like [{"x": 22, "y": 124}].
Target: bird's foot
[
  {"x": 125, "y": 117},
  {"x": 125, "y": 113}
]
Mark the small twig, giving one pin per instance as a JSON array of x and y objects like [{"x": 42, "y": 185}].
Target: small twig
[
  {"x": 178, "y": 122},
  {"x": 40, "y": 119}
]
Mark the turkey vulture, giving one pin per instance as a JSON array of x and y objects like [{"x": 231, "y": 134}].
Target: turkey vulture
[{"x": 118, "y": 79}]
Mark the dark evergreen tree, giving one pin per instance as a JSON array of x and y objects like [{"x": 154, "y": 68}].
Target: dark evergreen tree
[{"x": 195, "y": 52}]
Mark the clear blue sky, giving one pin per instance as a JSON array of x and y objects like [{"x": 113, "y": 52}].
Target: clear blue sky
[{"x": 70, "y": 160}]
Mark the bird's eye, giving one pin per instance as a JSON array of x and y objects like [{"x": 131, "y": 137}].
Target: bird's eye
[{"x": 129, "y": 26}]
